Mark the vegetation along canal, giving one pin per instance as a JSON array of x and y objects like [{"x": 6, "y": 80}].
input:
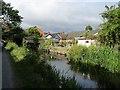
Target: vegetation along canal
[{"x": 86, "y": 76}]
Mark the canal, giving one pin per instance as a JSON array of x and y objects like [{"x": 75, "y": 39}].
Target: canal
[{"x": 87, "y": 76}]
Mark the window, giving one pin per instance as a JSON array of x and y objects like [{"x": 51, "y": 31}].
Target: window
[{"x": 87, "y": 41}]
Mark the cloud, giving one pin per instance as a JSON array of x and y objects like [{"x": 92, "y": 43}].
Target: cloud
[{"x": 60, "y": 15}]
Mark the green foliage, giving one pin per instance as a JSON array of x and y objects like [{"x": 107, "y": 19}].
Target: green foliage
[
  {"x": 9, "y": 14},
  {"x": 10, "y": 23},
  {"x": 14, "y": 34},
  {"x": 85, "y": 34},
  {"x": 34, "y": 73},
  {"x": 18, "y": 53},
  {"x": 109, "y": 34},
  {"x": 88, "y": 28},
  {"x": 103, "y": 56},
  {"x": 10, "y": 46},
  {"x": 46, "y": 45},
  {"x": 33, "y": 32}
]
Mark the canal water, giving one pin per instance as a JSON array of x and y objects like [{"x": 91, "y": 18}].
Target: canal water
[{"x": 86, "y": 76}]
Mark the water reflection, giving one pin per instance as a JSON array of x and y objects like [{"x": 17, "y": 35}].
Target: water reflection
[
  {"x": 103, "y": 77},
  {"x": 82, "y": 79},
  {"x": 87, "y": 76}
]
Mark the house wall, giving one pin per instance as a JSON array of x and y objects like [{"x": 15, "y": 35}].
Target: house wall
[
  {"x": 86, "y": 42},
  {"x": 49, "y": 36}
]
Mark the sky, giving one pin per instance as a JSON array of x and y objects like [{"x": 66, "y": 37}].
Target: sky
[{"x": 61, "y": 15}]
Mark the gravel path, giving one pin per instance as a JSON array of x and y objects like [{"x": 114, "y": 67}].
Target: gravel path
[{"x": 7, "y": 72}]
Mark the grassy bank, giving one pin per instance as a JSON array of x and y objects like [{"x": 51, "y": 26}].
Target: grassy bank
[
  {"x": 103, "y": 56},
  {"x": 33, "y": 72}
]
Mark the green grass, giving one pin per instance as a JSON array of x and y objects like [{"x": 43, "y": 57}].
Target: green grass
[{"x": 103, "y": 56}]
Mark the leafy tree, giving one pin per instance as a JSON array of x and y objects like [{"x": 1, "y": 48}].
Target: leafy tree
[
  {"x": 10, "y": 21},
  {"x": 35, "y": 35},
  {"x": 9, "y": 15},
  {"x": 33, "y": 32},
  {"x": 85, "y": 34},
  {"x": 88, "y": 28},
  {"x": 109, "y": 33}
]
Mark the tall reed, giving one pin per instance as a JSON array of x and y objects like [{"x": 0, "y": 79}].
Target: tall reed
[{"x": 103, "y": 56}]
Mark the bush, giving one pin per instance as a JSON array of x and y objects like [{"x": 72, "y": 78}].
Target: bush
[
  {"x": 18, "y": 53},
  {"x": 103, "y": 56},
  {"x": 11, "y": 45}
]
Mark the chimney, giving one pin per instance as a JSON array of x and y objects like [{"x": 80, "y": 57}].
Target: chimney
[
  {"x": 61, "y": 32},
  {"x": 35, "y": 26},
  {"x": 48, "y": 32}
]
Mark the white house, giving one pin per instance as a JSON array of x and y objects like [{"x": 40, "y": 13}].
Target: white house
[
  {"x": 49, "y": 36},
  {"x": 86, "y": 42}
]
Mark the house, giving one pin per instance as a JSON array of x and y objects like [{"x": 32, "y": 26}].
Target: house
[
  {"x": 86, "y": 42},
  {"x": 56, "y": 36},
  {"x": 90, "y": 40},
  {"x": 48, "y": 36},
  {"x": 40, "y": 31},
  {"x": 78, "y": 38}
]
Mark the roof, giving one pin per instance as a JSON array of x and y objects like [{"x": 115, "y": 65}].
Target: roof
[
  {"x": 29, "y": 38},
  {"x": 56, "y": 35},
  {"x": 76, "y": 34}
]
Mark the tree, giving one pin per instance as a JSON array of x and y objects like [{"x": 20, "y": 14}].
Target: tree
[
  {"x": 33, "y": 32},
  {"x": 109, "y": 33},
  {"x": 85, "y": 34},
  {"x": 9, "y": 15},
  {"x": 10, "y": 21},
  {"x": 88, "y": 28}
]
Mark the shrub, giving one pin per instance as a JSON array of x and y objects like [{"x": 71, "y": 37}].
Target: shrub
[
  {"x": 18, "y": 53},
  {"x": 11, "y": 45}
]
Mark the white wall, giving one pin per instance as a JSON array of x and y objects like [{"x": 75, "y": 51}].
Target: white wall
[
  {"x": 84, "y": 42},
  {"x": 49, "y": 36}
]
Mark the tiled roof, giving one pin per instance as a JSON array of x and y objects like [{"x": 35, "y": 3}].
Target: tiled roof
[
  {"x": 29, "y": 38},
  {"x": 76, "y": 34}
]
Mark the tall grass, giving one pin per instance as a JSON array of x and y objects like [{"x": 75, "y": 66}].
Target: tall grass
[{"x": 103, "y": 56}]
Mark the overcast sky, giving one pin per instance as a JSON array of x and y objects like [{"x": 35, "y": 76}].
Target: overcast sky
[{"x": 61, "y": 15}]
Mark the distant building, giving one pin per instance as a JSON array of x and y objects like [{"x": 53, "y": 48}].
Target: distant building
[
  {"x": 86, "y": 42},
  {"x": 79, "y": 39}
]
